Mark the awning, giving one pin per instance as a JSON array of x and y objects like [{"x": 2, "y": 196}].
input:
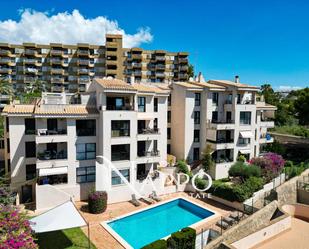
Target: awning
[
  {"x": 244, "y": 151},
  {"x": 53, "y": 171},
  {"x": 246, "y": 134},
  {"x": 61, "y": 217}
]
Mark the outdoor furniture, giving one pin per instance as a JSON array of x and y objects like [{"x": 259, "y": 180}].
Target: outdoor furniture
[
  {"x": 134, "y": 201},
  {"x": 155, "y": 196},
  {"x": 222, "y": 224},
  {"x": 229, "y": 220},
  {"x": 147, "y": 200},
  {"x": 236, "y": 215}
]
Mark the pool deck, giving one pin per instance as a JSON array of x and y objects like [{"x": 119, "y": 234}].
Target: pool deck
[
  {"x": 296, "y": 237},
  {"x": 104, "y": 240}
]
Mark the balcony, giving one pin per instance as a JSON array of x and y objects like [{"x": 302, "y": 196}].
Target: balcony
[
  {"x": 57, "y": 80},
  {"x": 137, "y": 56},
  {"x": 52, "y": 155},
  {"x": 160, "y": 58},
  {"x": 266, "y": 138},
  {"x": 56, "y": 52},
  {"x": 136, "y": 65},
  {"x": 147, "y": 134},
  {"x": 160, "y": 67},
  {"x": 183, "y": 68},
  {"x": 153, "y": 153},
  {"x": 267, "y": 124},
  {"x": 121, "y": 103},
  {"x": 45, "y": 136},
  {"x": 221, "y": 144},
  {"x": 160, "y": 75},
  {"x": 57, "y": 71},
  {"x": 55, "y": 61},
  {"x": 148, "y": 131},
  {"x": 83, "y": 52},
  {"x": 7, "y": 61},
  {"x": 221, "y": 125},
  {"x": 6, "y": 52},
  {"x": 32, "y": 52},
  {"x": 6, "y": 70},
  {"x": 182, "y": 60}
]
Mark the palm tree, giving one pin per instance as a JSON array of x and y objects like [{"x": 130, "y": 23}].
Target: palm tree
[{"x": 6, "y": 87}]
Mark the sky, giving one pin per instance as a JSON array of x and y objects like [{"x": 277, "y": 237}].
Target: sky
[{"x": 261, "y": 41}]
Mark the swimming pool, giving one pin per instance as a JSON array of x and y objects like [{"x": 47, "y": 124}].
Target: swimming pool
[{"x": 145, "y": 226}]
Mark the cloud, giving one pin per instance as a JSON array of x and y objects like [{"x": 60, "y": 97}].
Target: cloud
[
  {"x": 288, "y": 88},
  {"x": 67, "y": 28}
]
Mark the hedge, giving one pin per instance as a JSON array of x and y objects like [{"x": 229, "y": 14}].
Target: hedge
[
  {"x": 236, "y": 192},
  {"x": 97, "y": 202},
  {"x": 159, "y": 244},
  {"x": 184, "y": 239},
  {"x": 240, "y": 169}
]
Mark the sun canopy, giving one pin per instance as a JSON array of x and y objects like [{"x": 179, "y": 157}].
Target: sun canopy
[
  {"x": 244, "y": 151},
  {"x": 53, "y": 171},
  {"x": 61, "y": 217},
  {"x": 246, "y": 134}
]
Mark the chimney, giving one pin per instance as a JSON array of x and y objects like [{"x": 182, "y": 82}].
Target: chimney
[{"x": 236, "y": 79}]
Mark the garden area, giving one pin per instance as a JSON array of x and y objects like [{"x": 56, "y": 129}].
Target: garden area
[{"x": 245, "y": 178}]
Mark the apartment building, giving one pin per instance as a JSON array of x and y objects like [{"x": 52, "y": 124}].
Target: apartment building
[
  {"x": 70, "y": 68},
  {"x": 228, "y": 116},
  {"x": 54, "y": 144}
]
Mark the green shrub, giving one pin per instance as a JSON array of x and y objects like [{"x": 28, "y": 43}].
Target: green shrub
[
  {"x": 241, "y": 158},
  {"x": 254, "y": 183},
  {"x": 159, "y": 244},
  {"x": 237, "y": 192},
  {"x": 288, "y": 164},
  {"x": 183, "y": 167},
  {"x": 240, "y": 169},
  {"x": 184, "y": 239},
  {"x": 200, "y": 183},
  {"x": 97, "y": 202}
]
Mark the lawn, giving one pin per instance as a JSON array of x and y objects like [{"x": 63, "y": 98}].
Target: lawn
[{"x": 73, "y": 238}]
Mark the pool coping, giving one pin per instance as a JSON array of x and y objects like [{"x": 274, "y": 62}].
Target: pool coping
[{"x": 126, "y": 245}]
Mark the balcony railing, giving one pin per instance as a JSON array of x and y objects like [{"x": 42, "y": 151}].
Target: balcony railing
[
  {"x": 223, "y": 160},
  {"x": 121, "y": 133},
  {"x": 119, "y": 108},
  {"x": 52, "y": 155},
  {"x": 45, "y": 132},
  {"x": 228, "y": 121},
  {"x": 148, "y": 153},
  {"x": 221, "y": 141},
  {"x": 148, "y": 131}
]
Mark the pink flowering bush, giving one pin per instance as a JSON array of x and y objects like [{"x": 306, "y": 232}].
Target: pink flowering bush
[
  {"x": 15, "y": 230},
  {"x": 271, "y": 164},
  {"x": 97, "y": 202}
]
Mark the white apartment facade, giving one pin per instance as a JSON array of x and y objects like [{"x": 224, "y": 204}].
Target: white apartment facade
[
  {"x": 223, "y": 114},
  {"x": 54, "y": 145}
]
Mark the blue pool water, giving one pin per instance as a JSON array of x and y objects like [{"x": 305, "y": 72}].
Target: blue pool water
[{"x": 144, "y": 227}]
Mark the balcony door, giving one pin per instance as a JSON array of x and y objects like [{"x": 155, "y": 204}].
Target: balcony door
[
  {"x": 141, "y": 148},
  {"x": 52, "y": 124}
]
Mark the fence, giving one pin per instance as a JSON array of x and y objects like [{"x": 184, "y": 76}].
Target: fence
[{"x": 265, "y": 191}]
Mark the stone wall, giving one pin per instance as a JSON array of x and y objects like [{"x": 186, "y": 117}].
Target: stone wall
[
  {"x": 287, "y": 192},
  {"x": 251, "y": 224}
]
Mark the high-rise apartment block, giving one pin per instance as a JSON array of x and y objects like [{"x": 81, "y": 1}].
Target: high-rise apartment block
[{"x": 70, "y": 68}]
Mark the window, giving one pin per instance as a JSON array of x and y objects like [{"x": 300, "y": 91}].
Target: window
[
  {"x": 197, "y": 99},
  {"x": 8, "y": 145},
  {"x": 196, "y": 138},
  {"x": 7, "y": 124},
  {"x": 155, "y": 123},
  {"x": 196, "y": 154},
  {"x": 29, "y": 126},
  {"x": 30, "y": 149},
  {"x": 238, "y": 98},
  {"x": 121, "y": 128},
  {"x": 229, "y": 99},
  {"x": 169, "y": 100},
  {"x": 214, "y": 117},
  {"x": 169, "y": 116},
  {"x": 120, "y": 152},
  {"x": 155, "y": 105},
  {"x": 168, "y": 133},
  {"x": 30, "y": 171},
  {"x": 168, "y": 149},
  {"x": 1, "y": 144},
  {"x": 243, "y": 141},
  {"x": 215, "y": 98},
  {"x": 141, "y": 104},
  {"x": 86, "y": 127},
  {"x": 197, "y": 117},
  {"x": 85, "y": 174},
  {"x": 245, "y": 118},
  {"x": 116, "y": 180},
  {"x": 85, "y": 151}
]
